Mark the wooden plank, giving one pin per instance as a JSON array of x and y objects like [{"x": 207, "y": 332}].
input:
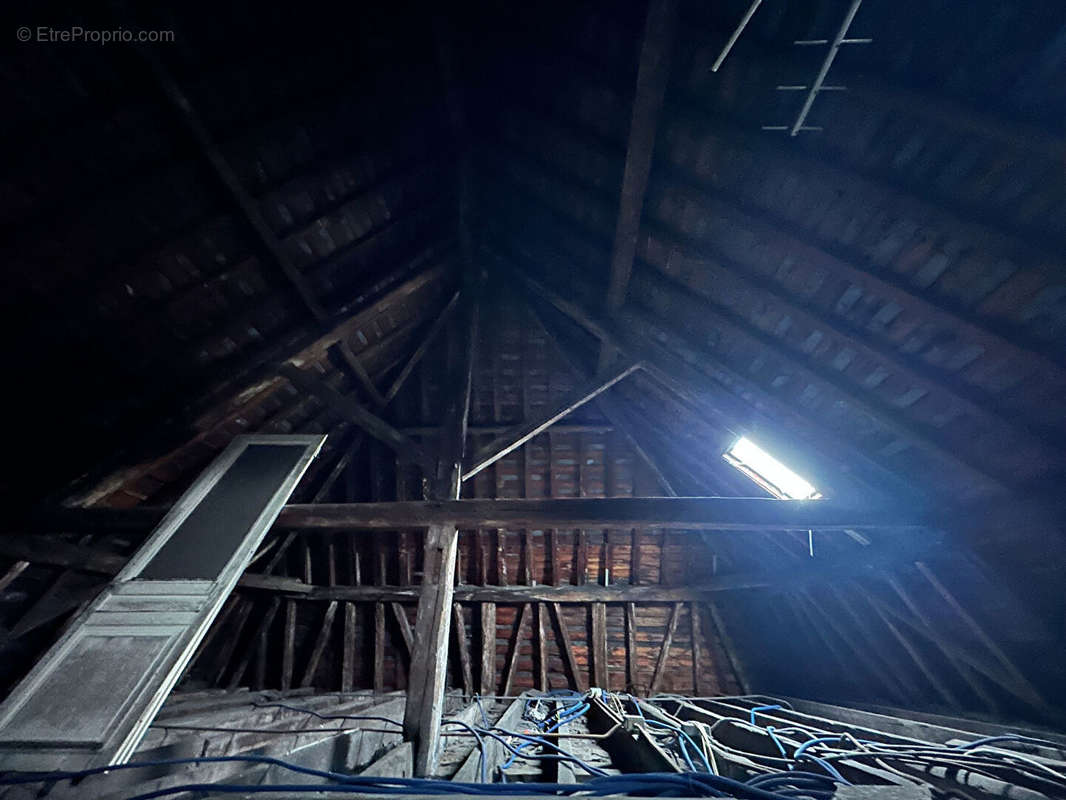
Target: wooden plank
[
  {"x": 350, "y": 408},
  {"x": 697, "y": 648},
  {"x": 598, "y": 645},
  {"x": 320, "y": 645},
  {"x": 520, "y": 434},
  {"x": 348, "y": 648},
  {"x": 516, "y": 646},
  {"x": 224, "y": 656},
  {"x": 288, "y": 646},
  {"x": 487, "y": 681},
  {"x": 581, "y": 559},
  {"x": 664, "y": 651},
  {"x": 397, "y": 762},
  {"x": 632, "y": 662},
  {"x": 379, "y": 648},
  {"x": 406, "y": 634},
  {"x": 464, "y": 650},
  {"x": 495, "y": 753},
  {"x": 540, "y": 643},
  {"x": 259, "y": 643},
  {"x": 567, "y": 648}
]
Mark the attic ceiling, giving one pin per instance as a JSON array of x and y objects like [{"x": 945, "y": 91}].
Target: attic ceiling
[{"x": 879, "y": 302}]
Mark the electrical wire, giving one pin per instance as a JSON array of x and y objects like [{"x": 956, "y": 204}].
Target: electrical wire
[{"x": 646, "y": 784}]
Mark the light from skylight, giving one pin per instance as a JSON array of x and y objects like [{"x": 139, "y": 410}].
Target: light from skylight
[{"x": 768, "y": 472}]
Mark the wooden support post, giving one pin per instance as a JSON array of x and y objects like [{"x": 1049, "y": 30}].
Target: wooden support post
[
  {"x": 516, "y": 646},
  {"x": 540, "y": 641},
  {"x": 379, "y": 648},
  {"x": 348, "y": 648},
  {"x": 567, "y": 647},
  {"x": 697, "y": 648},
  {"x": 229, "y": 645},
  {"x": 319, "y": 648},
  {"x": 259, "y": 642},
  {"x": 664, "y": 652},
  {"x": 429, "y": 664},
  {"x": 598, "y": 645},
  {"x": 289, "y": 646},
  {"x": 465, "y": 667},
  {"x": 632, "y": 662},
  {"x": 488, "y": 649},
  {"x": 406, "y": 633}
]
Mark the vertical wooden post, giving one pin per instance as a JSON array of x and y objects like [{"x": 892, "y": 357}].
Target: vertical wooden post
[
  {"x": 697, "y": 650},
  {"x": 598, "y": 645},
  {"x": 429, "y": 662},
  {"x": 488, "y": 648}
]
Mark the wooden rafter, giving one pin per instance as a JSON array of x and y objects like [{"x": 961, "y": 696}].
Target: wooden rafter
[
  {"x": 352, "y": 410},
  {"x": 423, "y": 347},
  {"x": 652, "y": 74}
]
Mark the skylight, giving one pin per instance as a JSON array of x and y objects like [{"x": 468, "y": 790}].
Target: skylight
[{"x": 768, "y": 472}]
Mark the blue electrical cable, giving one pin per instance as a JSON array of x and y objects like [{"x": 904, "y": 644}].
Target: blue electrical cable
[
  {"x": 770, "y": 729},
  {"x": 763, "y": 708},
  {"x": 327, "y": 716},
  {"x": 481, "y": 708},
  {"x": 480, "y": 744},
  {"x": 515, "y": 755},
  {"x": 684, "y": 753},
  {"x": 653, "y": 784},
  {"x": 681, "y": 733}
]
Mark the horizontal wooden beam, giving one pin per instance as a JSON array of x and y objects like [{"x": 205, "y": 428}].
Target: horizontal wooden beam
[
  {"x": 871, "y": 561},
  {"x": 671, "y": 513},
  {"x": 520, "y": 434}
]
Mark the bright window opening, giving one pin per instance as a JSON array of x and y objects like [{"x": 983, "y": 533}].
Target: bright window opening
[{"x": 768, "y": 472}]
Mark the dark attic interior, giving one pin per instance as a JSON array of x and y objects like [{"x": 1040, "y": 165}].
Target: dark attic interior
[{"x": 660, "y": 398}]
